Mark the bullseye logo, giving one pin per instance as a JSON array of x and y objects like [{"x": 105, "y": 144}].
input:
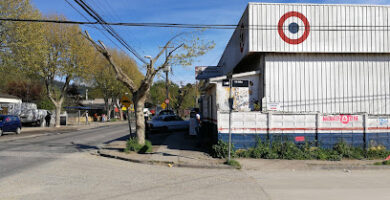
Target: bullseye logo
[{"x": 293, "y": 27}]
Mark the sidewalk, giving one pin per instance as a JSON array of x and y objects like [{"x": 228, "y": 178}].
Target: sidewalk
[
  {"x": 299, "y": 165},
  {"x": 179, "y": 150},
  {"x": 171, "y": 149}
]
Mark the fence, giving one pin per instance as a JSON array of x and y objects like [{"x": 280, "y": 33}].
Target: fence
[{"x": 360, "y": 130}]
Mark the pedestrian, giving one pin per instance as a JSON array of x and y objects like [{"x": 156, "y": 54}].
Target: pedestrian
[
  {"x": 48, "y": 119},
  {"x": 86, "y": 117},
  {"x": 198, "y": 127}
]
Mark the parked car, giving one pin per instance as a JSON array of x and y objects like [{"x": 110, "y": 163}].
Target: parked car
[
  {"x": 33, "y": 117},
  {"x": 167, "y": 123},
  {"x": 166, "y": 112},
  {"x": 10, "y": 123}
]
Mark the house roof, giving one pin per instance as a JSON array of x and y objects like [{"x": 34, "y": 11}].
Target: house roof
[{"x": 7, "y": 96}]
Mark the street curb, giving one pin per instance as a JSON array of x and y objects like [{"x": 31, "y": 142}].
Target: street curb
[
  {"x": 163, "y": 163},
  {"x": 73, "y": 128},
  {"x": 348, "y": 167}
]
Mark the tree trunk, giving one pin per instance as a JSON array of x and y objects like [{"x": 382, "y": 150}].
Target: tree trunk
[
  {"x": 58, "y": 113},
  {"x": 106, "y": 107},
  {"x": 121, "y": 114},
  {"x": 139, "y": 117}
]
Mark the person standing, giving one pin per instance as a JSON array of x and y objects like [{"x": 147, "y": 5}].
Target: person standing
[
  {"x": 48, "y": 119},
  {"x": 86, "y": 117}
]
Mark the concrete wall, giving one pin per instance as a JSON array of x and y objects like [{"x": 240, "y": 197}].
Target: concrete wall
[{"x": 356, "y": 129}]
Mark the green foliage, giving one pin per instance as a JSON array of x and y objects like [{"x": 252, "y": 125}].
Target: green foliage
[
  {"x": 221, "y": 150},
  {"x": 343, "y": 149},
  {"x": 377, "y": 152},
  {"x": 158, "y": 91},
  {"x": 45, "y": 104},
  {"x": 146, "y": 148},
  {"x": 242, "y": 153},
  {"x": 386, "y": 162},
  {"x": 233, "y": 163},
  {"x": 132, "y": 145},
  {"x": 280, "y": 149}
]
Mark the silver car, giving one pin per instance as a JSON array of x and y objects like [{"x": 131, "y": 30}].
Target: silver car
[{"x": 167, "y": 123}]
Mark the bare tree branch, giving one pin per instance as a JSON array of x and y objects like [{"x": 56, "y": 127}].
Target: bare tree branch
[
  {"x": 165, "y": 47},
  {"x": 167, "y": 58},
  {"x": 120, "y": 75}
]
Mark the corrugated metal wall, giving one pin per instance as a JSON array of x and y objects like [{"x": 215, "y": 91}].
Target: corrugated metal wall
[
  {"x": 333, "y": 28},
  {"x": 237, "y": 47},
  {"x": 328, "y": 83}
]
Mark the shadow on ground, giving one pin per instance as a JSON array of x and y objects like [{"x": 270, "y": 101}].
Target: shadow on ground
[
  {"x": 172, "y": 140},
  {"x": 176, "y": 140}
]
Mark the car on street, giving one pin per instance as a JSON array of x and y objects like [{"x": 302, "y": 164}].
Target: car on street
[
  {"x": 166, "y": 112},
  {"x": 167, "y": 123},
  {"x": 10, "y": 123}
]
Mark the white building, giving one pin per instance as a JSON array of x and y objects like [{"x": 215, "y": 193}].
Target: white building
[
  {"x": 305, "y": 71},
  {"x": 10, "y": 105}
]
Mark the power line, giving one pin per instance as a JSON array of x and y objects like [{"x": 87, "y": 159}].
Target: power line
[
  {"x": 207, "y": 26},
  {"x": 101, "y": 30},
  {"x": 108, "y": 28}
]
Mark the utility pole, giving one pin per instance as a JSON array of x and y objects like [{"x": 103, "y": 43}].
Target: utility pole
[{"x": 167, "y": 69}]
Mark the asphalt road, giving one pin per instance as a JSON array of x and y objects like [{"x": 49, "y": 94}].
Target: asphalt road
[
  {"x": 22, "y": 154},
  {"x": 62, "y": 167}
]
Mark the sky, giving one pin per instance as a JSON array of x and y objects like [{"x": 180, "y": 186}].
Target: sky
[{"x": 147, "y": 40}]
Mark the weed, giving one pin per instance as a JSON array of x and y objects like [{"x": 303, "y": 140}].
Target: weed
[
  {"x": 133, "y": 145},
  {"x": 233, "y": 163},
  {"x": 221, "y": 150},
  {"x": 386, "y": 162},
  {"x": 284, "y": 149}
]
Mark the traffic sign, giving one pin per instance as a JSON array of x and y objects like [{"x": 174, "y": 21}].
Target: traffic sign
[
  {"x": 166, "y": 101},
  {"x": 125, "y": 101},
  {"x": 163, "y": 106}
]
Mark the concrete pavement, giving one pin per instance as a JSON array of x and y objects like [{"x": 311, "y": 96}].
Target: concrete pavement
[
  {"x": 30, "y": 132},
  {"x": 18, "y": 154},
  {"x": 175, "y": 149},
  {"x": 62, "y": 166}
]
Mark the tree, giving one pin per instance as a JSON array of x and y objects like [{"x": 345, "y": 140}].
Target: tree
[
  {"x": 185, "y": 98},
  {"x": 104, "y": 81},
  {"x": 183, "y": 54},
  {"x": 157, "y": 90},
  {"x": 20, "y": 42},
  {"x": 28, "y": 91},
  {"x": 67, "y": 55}
]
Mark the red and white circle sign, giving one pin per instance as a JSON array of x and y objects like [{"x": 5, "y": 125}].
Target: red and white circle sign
[{"x": 293, "y": 27}]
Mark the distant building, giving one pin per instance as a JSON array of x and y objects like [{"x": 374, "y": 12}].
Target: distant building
[{"x": 10, "y": 105}]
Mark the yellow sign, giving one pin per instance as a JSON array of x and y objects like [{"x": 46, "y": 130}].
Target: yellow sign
[
  {"x": 124, "y": 108},
  {"x": 163, "y": 106},
  {"x": 125, "y": 101}
]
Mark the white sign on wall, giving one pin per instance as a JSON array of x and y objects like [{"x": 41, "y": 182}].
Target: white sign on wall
[{"x": 274, "y": 106}]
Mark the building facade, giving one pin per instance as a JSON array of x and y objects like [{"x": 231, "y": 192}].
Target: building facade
[{"x": 308, "y": 72}]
